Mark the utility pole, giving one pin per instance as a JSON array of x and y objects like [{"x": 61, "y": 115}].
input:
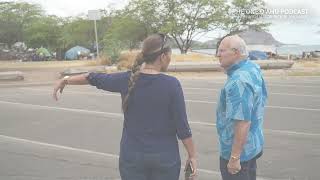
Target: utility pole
[{"x": 95, "y": 15}]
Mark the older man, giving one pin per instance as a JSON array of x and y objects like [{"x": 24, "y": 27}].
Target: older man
[{"x": 240, "y": 111}]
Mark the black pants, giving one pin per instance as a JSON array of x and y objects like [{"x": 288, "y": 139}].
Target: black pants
[
  {"x": 143, "y": 166},
  {"x": 248, "y": 170}
]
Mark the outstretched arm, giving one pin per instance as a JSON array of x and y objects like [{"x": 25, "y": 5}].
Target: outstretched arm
[{"x": 73, "y": 80}]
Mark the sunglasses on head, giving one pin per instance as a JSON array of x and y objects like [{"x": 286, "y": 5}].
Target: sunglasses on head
[{"x": 164, "y": 39}]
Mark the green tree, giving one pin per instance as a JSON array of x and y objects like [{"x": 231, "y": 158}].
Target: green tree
[
  {"x": 127, "y": 30},
  {"x": 124, "y": 32},
  {"x": 77, "y": 31},
  {"x": 239, "y": 17},
  {"x": 244, "y": 14},
  {"x": 44, "y": 31},
  {"x": 80, "y": 31},
  {"x": 146, "y": 12},
  {"x": 183, "y": 20},
  {"x": 112, "y": 49},
  {"x": 15, "y": 17}
]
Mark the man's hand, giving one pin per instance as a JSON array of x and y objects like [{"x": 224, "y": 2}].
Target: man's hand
[
  {"x": 241, "y": 130},
  {"x": 234, "y": 166}
]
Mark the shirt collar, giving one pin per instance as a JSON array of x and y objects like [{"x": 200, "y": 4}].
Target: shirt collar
[{"x": 236, "y": 66}]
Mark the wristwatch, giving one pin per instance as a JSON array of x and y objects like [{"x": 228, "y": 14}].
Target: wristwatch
[
  {"x": 65, "y": 79},
  {"x": 235, "y": 158}
]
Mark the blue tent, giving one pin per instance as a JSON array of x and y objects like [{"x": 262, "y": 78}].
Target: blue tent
[
  {"x": 257, "y": 55},
  {"x": 74, "y": 52}
]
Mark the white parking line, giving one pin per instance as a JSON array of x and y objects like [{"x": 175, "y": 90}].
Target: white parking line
[
  {"x": 91, "y": 93},
  {"x": 57, "y": 146},
  {"x": 290, "y": 94},
  {"x": 202, "y": 123},
  {"x": 120, "y": 115},
  {"x": 266, "y": 130},
  {"x": 108, "y": 155},
  {"x": 192, "y": 101},
  {"x": 204, "y": 102},
  {"x": 64, "y": 109},
  {"x": 186, "y": 93},
  {"x": 65, "y": 91},
  {"x": 292, "y": 108},
  {"x": 207, "y": 89},
  {"x": 288, "y": 85},
  {"x": 269, "y": 84},
  {"x": 272, "y": 107},
  {"x": 291, "y": 132},
  {"x": 282, "y": 94}
]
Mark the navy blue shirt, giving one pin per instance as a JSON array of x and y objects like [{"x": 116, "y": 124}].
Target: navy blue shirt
[{"x": 156, "y": 115}]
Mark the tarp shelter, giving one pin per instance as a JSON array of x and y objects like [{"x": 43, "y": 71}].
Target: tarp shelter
[
  {"x": 75, "y": 52},
  {"x": 257, "y": 55},
  {"x": 43, "y": 52}
]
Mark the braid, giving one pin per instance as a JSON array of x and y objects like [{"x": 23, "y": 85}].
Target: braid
[
  {"x": 134, "y": 75},
  {"x": 153, "y": 46}
]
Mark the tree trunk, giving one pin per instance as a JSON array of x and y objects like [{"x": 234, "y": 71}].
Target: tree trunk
[{"x": 183, "y": 51}]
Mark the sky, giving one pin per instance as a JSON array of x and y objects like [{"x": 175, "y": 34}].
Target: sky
[
  {"x": 290, "y": 29},
  {"x": 297, "y": 30}
]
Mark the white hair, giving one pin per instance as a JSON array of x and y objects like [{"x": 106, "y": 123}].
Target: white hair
[{"x": 239, "y": 44}]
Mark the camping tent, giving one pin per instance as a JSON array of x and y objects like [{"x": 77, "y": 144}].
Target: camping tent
[
  {"x": 43, "y": 52},
  {"x": 75, "y": 52}
]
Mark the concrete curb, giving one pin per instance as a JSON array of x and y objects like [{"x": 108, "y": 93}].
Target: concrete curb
[
  {"x": 76, "y": 71},
  {"x": 186, "y": 67},
  {"x": 175, "y": 67},
  {"x": 275, "y": 64},
  {"x": 11, "y": 85},
  {"x": 11, "y": 76},
  {"x": 215, "y": 66}
]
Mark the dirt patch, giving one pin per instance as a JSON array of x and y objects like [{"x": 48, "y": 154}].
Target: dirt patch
[
  {"x": 128, "y": 57},
  {"x": 197, "y": 75}
]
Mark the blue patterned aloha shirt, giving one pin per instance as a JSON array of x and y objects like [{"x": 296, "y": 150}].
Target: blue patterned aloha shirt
[{"x": 242, "y": 98}]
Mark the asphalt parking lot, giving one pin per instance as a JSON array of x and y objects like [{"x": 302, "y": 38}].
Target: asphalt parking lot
[{"x": 77, "y": 138}]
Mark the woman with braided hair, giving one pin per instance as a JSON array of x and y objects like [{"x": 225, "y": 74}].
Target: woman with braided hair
[{"x": 154, "y": 114}]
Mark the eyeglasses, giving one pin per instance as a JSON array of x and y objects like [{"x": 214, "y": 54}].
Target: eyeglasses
[{"x": 224, "y": 50}]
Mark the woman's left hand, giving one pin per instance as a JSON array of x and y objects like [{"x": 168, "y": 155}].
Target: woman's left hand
[{"x": 193, "y": 162}]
